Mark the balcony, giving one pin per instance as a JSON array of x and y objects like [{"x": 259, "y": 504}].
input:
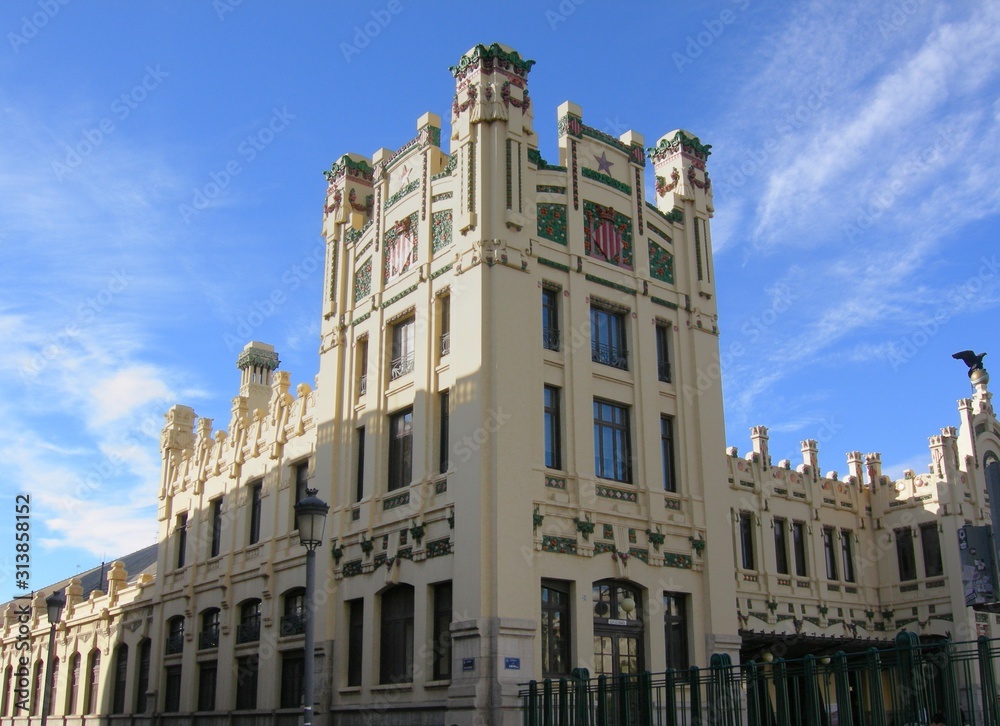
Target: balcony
[
  {"x": 610, "y": 355},
  {"x": 363, "y": 385},
  {"x": 663, "y": 371},
  {"x": 445, "y": 344},
  {"x": 293, "y": 625},
  {"x": 248, "y": 632},
  {"x": 550, "y": 338},
  {"x": 175, "y": 643},
  {"x": 400, "y": 366},
  {"x": 208, "y": 638}
]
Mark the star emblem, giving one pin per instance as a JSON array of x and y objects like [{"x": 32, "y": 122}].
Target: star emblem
[
  {"x": 404, "y": 175},
  {"x": 603, "y": 165}
]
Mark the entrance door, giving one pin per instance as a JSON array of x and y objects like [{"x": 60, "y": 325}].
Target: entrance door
[{"x": 618, "y": 629}]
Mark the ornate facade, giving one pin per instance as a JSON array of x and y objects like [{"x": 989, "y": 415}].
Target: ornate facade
[{"x": 523, "y": 454}]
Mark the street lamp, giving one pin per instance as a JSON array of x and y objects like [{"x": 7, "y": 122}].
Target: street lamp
[
  {"x": 311, "y": 515},
  {"x": 54, "y": 605}
]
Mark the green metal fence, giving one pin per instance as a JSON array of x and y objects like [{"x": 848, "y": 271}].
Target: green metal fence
[{"x": 905, "y": 685}]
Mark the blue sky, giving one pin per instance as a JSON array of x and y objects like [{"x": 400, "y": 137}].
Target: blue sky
[{"x": 161, "y": 177}]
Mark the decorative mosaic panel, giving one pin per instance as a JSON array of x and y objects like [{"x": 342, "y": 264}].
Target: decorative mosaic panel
[
  {"x": 682, "y": 562},
  {"x": 639, "y": 553},
  {"x": 607, "y": 531},
  {"x": 396, "y": 501},
  {"x": 661, "y": 263},
  {"x": 550, "y": 189},
  {"x": 363, "y": 281},
  {"x": 606, "y": 179},
  {"x": 400, "y": 247},
  {"x": 439, "y": 547},
  {"x": 631, "y": 536},
  {"x": 441, "y": 228},
  {"x": 352, "y": 568},
  {"x": 619, "y": 494},
  {"x": 602, "y": 547},
  {"x": 440, "y": 487},
  {"x": 555, "y": 482},
  {"x": 607, "y": 235},
  {"x": 562, "y": 545},
  {"x": 552, "y": 222}
]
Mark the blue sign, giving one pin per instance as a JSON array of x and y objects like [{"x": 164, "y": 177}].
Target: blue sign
[
  {"x": 468, "y": 664},
  {"x": 512, "y": 664}
]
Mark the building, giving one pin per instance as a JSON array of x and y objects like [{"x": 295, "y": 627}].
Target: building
[{"x": 524, "y": 457}]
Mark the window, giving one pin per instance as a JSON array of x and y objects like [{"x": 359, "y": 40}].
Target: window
[
  {"x": 74, "y": 683},
  {"x": 400, "y": 449},
  {"x": 829, "y": 553},
  {"x": 142, "y": 684},
  {"x": 662, "y": 353},
  {"x": 904, "y": 554},
  {"x": 216, "y": 527},
  {"x": 612, "y": 448},
  {"x": 209, "y": 635},
  {"x": 359, "y": 480},
  {"x": 556, "y": 633},
  {"x": 55, "y": 686},
  {"x": 93, "y": 694},
  {"x": 208, "y": 673},
  {"x": 675, "y": 630},
  {"x": 8, "y": 678},
  {"x": 36, "y": 690},
  {"x": 847, "y": 554},
  {"x": 256, "y": 490},
  {"x": 175, "y": 634},
  {"x": 246, "y": 682},
  {"x": 172, "y": 695},
  {"x": 363, "y": 367},
  {"x": 248, "y": 630},
  {"x": 667, "y": 453},
  {"x": 396, "y": 660},
  {"x": 550, "y": 318},
  {"x": 301, "y": 482},
  {"x": 931, "y": 545},
  {"x": 180, "y": 533},
  {"x": 780, "y": 546},
  {"x": 746, "y": 540},
  {"x": 607, "y": 338},
  {"x": 443, "y": 441},
  {"x": 293, "y": 684},
  {"x": 441, "y": 648},
  {"x": 293, "y": 621},
  {"x": 402, "y": 349},
  {"x": 799, "y": 546},
  {"x": 355, "y": 640},
  {"x": 553, "y": 432},
  {"x": 444, "y": 347},
  {"x": 121, "y": 673}
]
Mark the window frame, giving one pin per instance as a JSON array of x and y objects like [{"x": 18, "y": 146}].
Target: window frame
[
  {"x": 677, "y": 658},
  {"x": 255, "y": 497},
  {"x": 800, "y": 553},
  {"x": 208, "y": 633},
  {"x": 207, "y": 687},
  {"x": 180, "y": 533},
  {"x": 552, "y": 424},
  {"x": 441, "y": 631},
  {"x": 403, "y": 358},
  {"x": 931, "y": 553},
  {"x": 609, "y": 337},
  {"x": 830, "y": 553},
  {"x": 556, "y": 639},
  {"x": 444, "y": 442},
  {"x": 847, "y": 555},
  {"x": 400, "y": 474},
  {"x": 444, "y": 339},
  {"x": 118, "y": 693},
  {"x": 355, "y": 641},
  {"x": 621, "y": 442},
  {"x": 293, "y": 666},
  {"x": 748, "y": 560},
  {"x": 781, "y": 561},
  {"x": 92, "y": 695},
  {"x": 905, "y": 555},
  {"x": 662, "y": 335},
  {"x": 300, "y": 470},
  {"x": 247, "y": 681},
  {"x": 215, "y": 547},
  {"x": 550, "y": 318},
  {"x": 396, "y": 610},
  {"x": 172, "y": 688},
  {"x": 359, "y": 471},
  {"x": 668, "y": 452}
]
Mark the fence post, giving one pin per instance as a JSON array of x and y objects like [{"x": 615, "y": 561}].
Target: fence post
[
  {"x": 602, "y": 700},
  {"x": 720, "y": 701},
  {"x": 754, "y": 706},
  {"x": 845, "y": 717},
  {"x": 624, "y": 712},
  {"x": 646, "y": 698},
  {"x": 987, "y": 682},
  {"x": 781, "y": 692},
  {"x": 533, "y": 703},
  {"x": 876, "y": 696},
  {"x": 695, "y": 679},
  {"x": 670, "y": 696},
  {"x": 812, "y": 710},
  {"x": 906, "y": 643},
  {"x": 581, "y": 693},
  {"x": 547, "y": 702},
  {"x": 563, "y": 711},
  {"x": 949, "y": 677}
]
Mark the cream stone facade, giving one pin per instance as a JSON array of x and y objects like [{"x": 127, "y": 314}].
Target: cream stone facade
[{"x": 517, "y": 429}]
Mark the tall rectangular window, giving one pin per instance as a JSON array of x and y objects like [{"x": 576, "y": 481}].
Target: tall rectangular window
[
  {"x": 293, "y": 671},
  {"x": 556, "y": 635},
  {"x": 256, "y": 490},
  {"x": 142, "y": 680},
  {"x": 121, "y": 672},
  {"x": 216, "y": 527},
  {"x": 119, "y": 683},
  {"x": 550, "y": 318},
  {"x": 396, "y": 661},
  {"x": 931, "y": 545},
  {"x": 355, "y": 640},
  {"x": 612, "y": 444},
  {"x": 442, "y": 631},
  {"x": 403, "y": 351},
  {"x": 675, "y": 622},
  {"x": 301, "y": 473},
  {"x": 443, "y": 441},
  {"x": 746, "y": 540},
  {"x": 363, "y": 367},
  {"x": 444, "y": 346},
  {"x": 247, "y": 668},
  {"x": 847, "y": 554},
  {"x": 904, "y": 554},
  {"x": 359, "y": 479},
  {"x": 799, "y": 547},
  {"x": 780, "y": 546},
  {"x": 607, "y": 338},
  {"x": 830, "y": 553},
  {"x": 662, "y": 353},
  {"x": 172, "y": 694},
  {"x": 208, "y": 672},
  {"x": 667, "y": 453},
  {"x": 74, "y": 682},
  {"x": 400, "y": 449},
  {"x": 553, "y": 430},
  {"x": 181, "y": 535}
]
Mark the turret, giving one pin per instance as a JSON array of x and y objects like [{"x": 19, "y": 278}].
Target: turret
[{"x": 257, "y": 362}]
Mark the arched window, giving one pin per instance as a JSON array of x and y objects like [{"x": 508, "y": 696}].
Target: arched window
[
  {"x": 93, "y": 694},
  {"x": 8, "y": 676},
  {"x": 293, "y": 621},
  {"x": 73, "y": 687},
  {"x": 396, "y": 662},
  {"x": 249, "y": 627},
  {"x": 54, "y": 688},
  {"x": 121, "y": 672},
  {"x": 618, "y": 628},
  {"x": 142, "y": 679},
  {"x": 37, "y": 689},
  {"x": 175, "y": 634},
  {"x": 991, "y": 467},
  {"x": 209, "y": 635}
]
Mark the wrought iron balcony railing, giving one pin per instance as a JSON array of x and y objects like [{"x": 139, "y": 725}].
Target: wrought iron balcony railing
[
  {"x": 663, "y": 371},
  {"x": 400, "y": 366},
  {"x": 445, "y": 344},
  {"x": 248, "y": 632},
  {"x": 363, "y": 385},
  {"x": 175, "y": 643},
  {"x": 550, "y": 338},
  {"x": 610, "y": 355},
  {"x": 208, "y": 638},
  {"x": 293, "y": 625}
]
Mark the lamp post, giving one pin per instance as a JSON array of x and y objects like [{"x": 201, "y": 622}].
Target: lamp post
[
  {"x": 311, "y": 514},
  {"x": 54, "y": 605}
]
